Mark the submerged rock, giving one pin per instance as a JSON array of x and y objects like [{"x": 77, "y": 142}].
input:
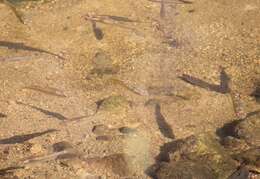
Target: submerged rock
[
  {"x": 251, "y": 158},
  {"x": 234, "y": 145},
  {"x": 249, "y": 130},
  {"x": 201, "y": 156}
]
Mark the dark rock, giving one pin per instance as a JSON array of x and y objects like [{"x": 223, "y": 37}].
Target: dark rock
[{"x": 249, "y": 130}]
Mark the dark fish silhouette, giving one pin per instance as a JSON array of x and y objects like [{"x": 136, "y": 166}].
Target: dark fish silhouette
[
  {"x": 22, "y": 46},
  {"x": 164, "y": 127},
  {"x": 119, "y": 18},
  {"x": 23, "y": 138},
  {"x": 162, "y": 10},
  {"x": 9, "y": 4},
  {"x": 2, "y": 115},
  {"x": 97, "y": 31},
  {"x": 46, "y": 112},
  {"x": 222, "y": 88},
  {"x": 173, "y": 2}
]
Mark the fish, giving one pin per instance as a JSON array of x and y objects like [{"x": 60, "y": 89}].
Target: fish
[
  {"x": 14, "y": 10},
  {"x": 173, "y": 2},
  {"x": 53, "y": 114},
  {"x": 162, "y": 10},
  {"x": 109, "y": 20},
  {"x": 164, "y": 127},
  {"x": 222, "y": 88},
  {"x": 165, "y": 91},
  {"x": 46, "y": 112},
  {"x": 118, "y": 18},
  {"x": 3, "y": 115},
  {"x": 22, "y": 46},
  {"x": 186, "y": 2},
  {"x": 17, "y": 139},
  {"x": 17, "y": 58},
  {"x": 224, "y": 82},
  {"x": 47, "y": 90},
  {"x": 134, "y": 89},
  {"x": 97, "y": 31}
]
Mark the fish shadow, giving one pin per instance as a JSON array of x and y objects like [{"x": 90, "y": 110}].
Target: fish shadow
[{"x": 222, "y": 88}]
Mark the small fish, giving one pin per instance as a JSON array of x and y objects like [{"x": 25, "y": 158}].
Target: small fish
[
  {"x": 222, "y": 88},
  {"x": 22, "y": 46},
  {"x": 109, "y": 20},
  {"x": 224, "y": 82},
  {"x": 162, "y": 10},
  {"x": 137, "y": 90},
  {"x": 173, "y": 2},
  {"x": 47, "y": 90},
  {"x": 119, "y": 18},
  {"x": 104, "y": 138},
  {"x": 12, "y": 7},
  {"x": 185, "y": 2},
  {"x": 53, "y": 114},
  {"x": 18, "y": 58},
  {"x": 23, "y": 138},
  {"x": 65, "y": 154},
  {"x": 164, "y": 127},
  {"x": 2, "y": 115},
  {"x": 46, "y": 112},
  {"x": 127, "y": 130},
  {"x": 97, "y": 31}
]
